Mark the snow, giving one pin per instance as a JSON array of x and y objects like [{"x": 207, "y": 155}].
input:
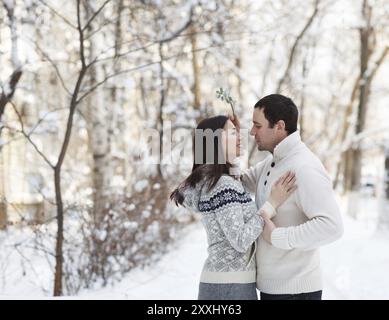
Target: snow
[
  {"x": 146, "y": 214},
  {"x": 10, "y": 4},
  {"x": 156, "y": 186},
  {"x": 175, "y": 276},
  {"x": 7, "y": 89},
  {"x": 117, "y": 181},
  {"x": 354, "y": 267},
  {"x": 23, "y": 274},
  {"x": 131, "y": 225},
  {"x": 140, "y": 185}
]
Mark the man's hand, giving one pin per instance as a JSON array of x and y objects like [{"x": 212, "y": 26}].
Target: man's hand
[{"x": 268, "y": 228}]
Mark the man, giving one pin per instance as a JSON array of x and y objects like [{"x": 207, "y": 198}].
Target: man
[{"x": 288, "y": 262}]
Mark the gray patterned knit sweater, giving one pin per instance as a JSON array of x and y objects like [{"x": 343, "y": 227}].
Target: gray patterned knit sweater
[{"x": 232, "y": 224}]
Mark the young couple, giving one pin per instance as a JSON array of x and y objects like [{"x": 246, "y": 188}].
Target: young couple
[{"x": 271, "y": 244}]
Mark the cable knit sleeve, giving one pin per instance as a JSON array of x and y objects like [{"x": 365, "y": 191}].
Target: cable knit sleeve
[{"x": 229, "y": 203}]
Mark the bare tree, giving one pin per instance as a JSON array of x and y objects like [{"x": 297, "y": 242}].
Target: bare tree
[
  {"x": 196, "y": 68},
  {"x": 57, "y": 167},
  {"x": 361, "y": 91},
  {"x": 97, "y": 113},
  {"x": 82, "y": 90},
  {"x": 293, "y": 50},
  {"x": 7, "y": 92},
  {"x": 292, "y": 58},
  {"x": 74, "y": 101},
  {"x": 9, "y": 88}
]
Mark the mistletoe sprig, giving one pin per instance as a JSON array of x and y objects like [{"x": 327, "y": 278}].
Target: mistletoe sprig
[{"x": 223, "y": 95}]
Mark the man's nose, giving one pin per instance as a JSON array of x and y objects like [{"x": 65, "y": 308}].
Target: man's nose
[{"x": 252, "y": 133}]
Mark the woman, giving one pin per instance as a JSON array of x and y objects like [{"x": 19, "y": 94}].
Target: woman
[{"x": 229, "y": 215}]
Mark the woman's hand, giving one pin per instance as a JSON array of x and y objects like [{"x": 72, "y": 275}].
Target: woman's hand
[
  {"x": 268, "y": 227},
  {"x": 282, "y": 189},
  {"x": 234, "y": 119}
]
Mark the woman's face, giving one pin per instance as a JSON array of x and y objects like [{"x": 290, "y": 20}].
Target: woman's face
[{"x": 231, "y": 141}]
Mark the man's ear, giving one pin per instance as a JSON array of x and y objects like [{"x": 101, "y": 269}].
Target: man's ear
[{"x": 281, "y": 125}]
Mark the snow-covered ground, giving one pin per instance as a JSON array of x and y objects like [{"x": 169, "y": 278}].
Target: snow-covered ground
[{"x": 354, "y": 267}]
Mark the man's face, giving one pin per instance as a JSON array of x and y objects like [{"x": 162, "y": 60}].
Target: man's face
[{"x": 265, "y": 137}]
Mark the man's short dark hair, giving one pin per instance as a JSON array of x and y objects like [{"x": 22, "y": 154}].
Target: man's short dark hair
[{"x": 277, "y": 107}]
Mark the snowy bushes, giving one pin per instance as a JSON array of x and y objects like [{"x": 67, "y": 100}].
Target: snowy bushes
[{"x": 134, "y": 231}]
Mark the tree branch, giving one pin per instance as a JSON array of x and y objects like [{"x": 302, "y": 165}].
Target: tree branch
[
  {"x": 176, "y": 33},
  {"x": 91, "y": 89},
  {"x": 54, "y": 66},
  {"x": 80, "y": 34},
  {"x": 295, "y": 45},
  {"x": 58, "y": 14},
  {"x": 95, "y": 15},
  {"x": 28, "y": 137}
]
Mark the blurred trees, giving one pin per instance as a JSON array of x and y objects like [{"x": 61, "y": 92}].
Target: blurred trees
[{"x": 98, "y": 76}]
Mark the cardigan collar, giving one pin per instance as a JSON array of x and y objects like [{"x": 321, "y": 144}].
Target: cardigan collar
[{"x": 286, "y": 146}]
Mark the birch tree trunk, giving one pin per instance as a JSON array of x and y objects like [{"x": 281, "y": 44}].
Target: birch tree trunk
[
  {"x": 354, "y": 161},
  {"x": 97, "y": 115},
  {"x": 196, "y": 69},
  {"x": 355, "y": 156},
  {"x": 6, "y": 96}
]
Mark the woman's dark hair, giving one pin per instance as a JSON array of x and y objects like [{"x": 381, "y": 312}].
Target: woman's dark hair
[
  {"x": 277, "y": 107},
  {"x": 208, "y": 158}
]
